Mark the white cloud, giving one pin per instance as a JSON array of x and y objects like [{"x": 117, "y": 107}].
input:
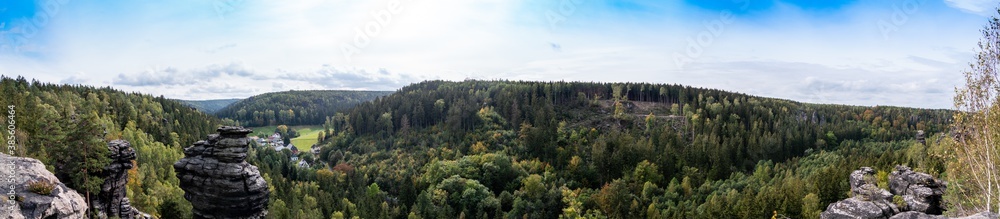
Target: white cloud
[
  {"x": 79, "y": 78},
  {"x": 353, "y": 78},
  {"x": 297, "y": 45},
  {"x": 156, "y": 77},
  {"x": 980, "y": 7}
]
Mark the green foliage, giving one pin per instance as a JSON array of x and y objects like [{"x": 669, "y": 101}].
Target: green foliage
[
  {"x": 68, "y": 127},
  {"x": 811, "y": 206},
  {"x": 456, "y": 196},
  {"x": 294, "y": 107},
  {"x": 209, "y": 106},
  {"x": 647, "y": 172},
  {"x": 41, "y": 187},
  {"x": 557, "y": 149},
  {"x": 899, "y": 201},
  {"x": 882, "y": 179},
  {"x": 975, "y": 147}
]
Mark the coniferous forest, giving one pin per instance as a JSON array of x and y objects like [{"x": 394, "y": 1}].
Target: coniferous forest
[
  {"x": 565, "y": 109},
  {"x": 293, "y": 107},
  {"x": 209, "y": 106},
  {"x": 510, "y": 149},
  {"x": 68, "y": 129}
]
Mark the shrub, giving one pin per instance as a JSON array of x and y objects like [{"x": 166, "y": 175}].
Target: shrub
[
  {"x": 900, "y": 202},
  {"x": 41, "y": 187}
]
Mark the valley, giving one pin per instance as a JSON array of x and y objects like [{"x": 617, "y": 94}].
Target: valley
[{"x": 520, "y": 149}]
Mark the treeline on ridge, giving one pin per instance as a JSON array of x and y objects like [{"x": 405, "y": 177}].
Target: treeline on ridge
[
  {"x": 68, "y": 128},
  {"x": 619, "y": 150},
  {"x": 309, "y": 107}
]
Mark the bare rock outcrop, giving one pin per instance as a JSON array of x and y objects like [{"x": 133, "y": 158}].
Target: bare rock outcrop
[
  {"x": 921, "y": 137},
  {"x": 916, "y": 215},
  {"x": 920, "y": 215},
  {"x": 868, "y": 201},
  {"x": 921, "y": 191},
  {"x": 61, "y": 202},
  {"x": 113, "y": 200},
  {"x": 983, "y": 215},
  {"x": 218, "y": 181}
]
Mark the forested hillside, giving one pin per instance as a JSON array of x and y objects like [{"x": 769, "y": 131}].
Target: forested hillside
[
  {"x": 209, "y": 106},
  {"x": 488, "y": 149},
  {"x": 294, "y": 107},
  {"x": 68, "y": 128}
]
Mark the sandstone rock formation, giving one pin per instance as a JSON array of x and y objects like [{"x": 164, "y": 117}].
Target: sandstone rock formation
[
  {"x": 921, "y": 137},
  {"x": 920, "y": 191},
  {"x": 868, "y": 200},
  {"x": 112, "y": 201},
  {"x": 916, "y": 215},
  {"x": 983, "y": 215},
  {"x": 919, "y": 215},
  {"x": 218, "y": 181},
  {"x": 62, "y": 202}
]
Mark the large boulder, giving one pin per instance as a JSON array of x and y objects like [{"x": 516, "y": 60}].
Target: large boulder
[
  {"x": 983, "y": 215},
  {"x": 856, "y": 207},
  {"x": 868, "y": 201},
  {"x": 113, "y": 200},
  {"x": 916, "y": 215},
  {"x": 218, "y": 181},
  {"x": 921, "y": 191},
  {"x": 61, "y": 202},
  {"x": 921, "y": 215}
]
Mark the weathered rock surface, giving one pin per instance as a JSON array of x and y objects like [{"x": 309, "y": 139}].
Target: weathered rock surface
[
  {"x": 112, "y": 201},
  {"x": 218, "y": 181},
  {"x": 920, "y": 215},
  {"x": 983, "y": 215},
  {"x": 920, "y": 191},
  {"x": 855, "y": 207},
  {"x": 921, "y": 137},
  {"x": 868, "y": 200},
  {"x": 62, "y": 202},
  {"x": 916, "y": 215}
]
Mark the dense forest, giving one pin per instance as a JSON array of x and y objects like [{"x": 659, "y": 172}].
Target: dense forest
[
  {"x": 294, "y": 107},
  {"x": 209, "y": 106},
  {"x": 492, "y": 149},
  {"x": 68, "y": 127},
  {"x": 502, "y": 149}
]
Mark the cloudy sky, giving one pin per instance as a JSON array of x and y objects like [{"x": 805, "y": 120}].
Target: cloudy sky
[{"x": 896, "y": 52}]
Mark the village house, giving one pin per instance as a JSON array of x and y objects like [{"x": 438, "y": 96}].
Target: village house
[{"x": 315, "y": 149}]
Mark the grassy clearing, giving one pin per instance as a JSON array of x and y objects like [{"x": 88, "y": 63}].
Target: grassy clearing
[
  {"x": 308, "y": 134},
  {"x": 306, "y": 139}
]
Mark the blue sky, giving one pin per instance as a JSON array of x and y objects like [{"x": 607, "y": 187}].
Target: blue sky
[{"x": 895, "y": 52}]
